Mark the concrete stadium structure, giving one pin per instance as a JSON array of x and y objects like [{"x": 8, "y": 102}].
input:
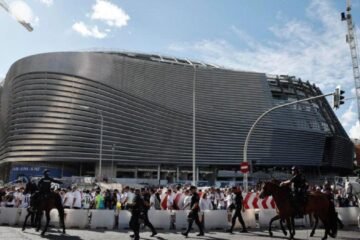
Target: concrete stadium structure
[{"x": 52, "y": 104}]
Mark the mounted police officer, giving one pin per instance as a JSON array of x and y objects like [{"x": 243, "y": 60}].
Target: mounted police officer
[
  {"x": 194, "y": 213},
  {"x": 44, "y": 186},
  {"x": 298, "y": 190}
]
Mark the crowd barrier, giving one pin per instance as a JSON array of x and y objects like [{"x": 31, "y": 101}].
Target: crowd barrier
[
  {"x": 348, "y": 215},
  {"x": 163, "y": 219}
]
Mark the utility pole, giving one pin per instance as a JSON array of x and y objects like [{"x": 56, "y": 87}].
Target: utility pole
[
  {"x": 352, "y": 41},
  {"x": 4, "y": 5}
]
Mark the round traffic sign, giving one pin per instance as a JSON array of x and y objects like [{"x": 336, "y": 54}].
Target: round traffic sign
[{"x": 244, "y": 167}]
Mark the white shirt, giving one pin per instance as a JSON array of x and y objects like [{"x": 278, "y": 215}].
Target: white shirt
[
  {"x": 130, "y": 196},
  {"x": 170, "y": 202},
  {"x": 26, "y": 201},
  {"x": 205, "y": 204},
  {"x": 152, "y": 202},
  {"x": 68, "y": 199},
  {"x": 229, "y": 200},
  {"x": 86, "y": 201},
  {"x": 180, "y": 202},
  {"x": 187, "y": 202},
  {"x": 77, "y": 198},
  {"x": 219, "y": 198}
]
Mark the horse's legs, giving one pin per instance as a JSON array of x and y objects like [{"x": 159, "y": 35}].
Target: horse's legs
[
  {"x": 293, "y": 226},
  {"x": 282, "y": 227},
  {"x": 38, "y": 218},
  {"x": 26, "y": 218},
  {"x": 47, "y": 214},
  {"x": 62, "y": 221},
  {"x": 33, "y": 219},
  {"x": 315, "y": 226},
  {"x": 326, "y": 226},
  {"x": 271, "y": 221},
  {"x": 288, "y": 224}
]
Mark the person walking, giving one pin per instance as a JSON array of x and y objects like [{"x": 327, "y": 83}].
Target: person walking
[
  {"x": 146, "y": 196},
  {"x": 238, "y": 205},
  {"x": 194, "y": 213},
  {"x": 136, "y": 206}
]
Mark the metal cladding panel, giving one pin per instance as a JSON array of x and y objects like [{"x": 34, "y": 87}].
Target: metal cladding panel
[
  {"x": 227, "y": 103},
  {"x": 51, "y": 107},
  {"x": 288, "y": 147}
]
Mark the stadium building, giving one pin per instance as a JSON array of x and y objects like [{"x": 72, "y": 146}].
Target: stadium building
[{"x": 66, "y": 111}]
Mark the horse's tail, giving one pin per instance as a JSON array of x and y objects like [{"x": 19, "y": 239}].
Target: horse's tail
[{"x": 333, "y": 219}]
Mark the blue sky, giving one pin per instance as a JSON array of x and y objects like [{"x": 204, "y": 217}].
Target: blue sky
[{"x": 303, "y": 38}]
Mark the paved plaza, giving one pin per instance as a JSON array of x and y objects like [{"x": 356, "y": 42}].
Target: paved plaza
[{"x": 75, "y": 234}]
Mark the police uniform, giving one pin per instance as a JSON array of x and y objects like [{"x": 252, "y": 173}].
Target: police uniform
[
  {"x": 238, "y": 201},
  {"x": 194, "y": 215},
  {"x": 137, "y": 207},
  {"x": 298, "y": 192},
  {"x": 146, "y": 197},
  {"x": 44, "y": 186}
]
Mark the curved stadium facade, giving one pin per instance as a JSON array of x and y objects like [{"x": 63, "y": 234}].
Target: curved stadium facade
[{"x": 52, "y": 105}]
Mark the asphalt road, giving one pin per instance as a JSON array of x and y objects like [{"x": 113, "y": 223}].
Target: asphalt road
[{"x": 15, "y": 233}]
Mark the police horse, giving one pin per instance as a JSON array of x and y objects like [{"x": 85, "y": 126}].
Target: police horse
[{"x": 47, "y": 203}]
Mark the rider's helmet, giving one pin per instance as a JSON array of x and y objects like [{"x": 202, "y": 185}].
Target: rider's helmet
[
  {"x": 294, "y": 170},
  {"x": 46, "y": 173}
]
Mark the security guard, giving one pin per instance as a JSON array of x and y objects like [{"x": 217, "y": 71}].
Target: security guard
[
  {"x": 194, "y": 213},
  {"x": 137, "y": 209},
  {"x": 238, "y": 202}
]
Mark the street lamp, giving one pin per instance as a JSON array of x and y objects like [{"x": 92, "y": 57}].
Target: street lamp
[
  {"x": 27, "y": 25},
  {"x": 112, "y": 160},
  {"x": 194, "y": 128},
  {"x": 101, "y": 137}
]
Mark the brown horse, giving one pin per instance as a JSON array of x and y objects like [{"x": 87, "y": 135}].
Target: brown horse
[
  {"x": 47, "y": 203},
  {"x": 317, "y": 204}
]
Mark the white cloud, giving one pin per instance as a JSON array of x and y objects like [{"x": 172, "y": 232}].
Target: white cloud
[
  {"x": 110, "y": 13},
  {"x": 355, "y": 130},
  {"x": 22, "y": 12},
  {"x": 47, "y": 2},
  {"x": 349, "y": 116},
  {"x": 319, "y": 55},
  {"x": 88, "y": 31},
  {"x": 313, "y": 49}
]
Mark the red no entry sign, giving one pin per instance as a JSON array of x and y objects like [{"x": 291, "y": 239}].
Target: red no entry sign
[{"x": 244, "y": 167}]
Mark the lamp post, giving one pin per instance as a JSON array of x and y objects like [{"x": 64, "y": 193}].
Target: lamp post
[
  {"x": 112, "y": 160},
  {"x": 101, "y": 137},
  {"x": 194, "y": 127},
  {"x": 101, "y": 140},
  {"x": 25, "y": 24}
]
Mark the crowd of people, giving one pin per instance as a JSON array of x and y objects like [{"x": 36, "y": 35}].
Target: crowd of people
[
  {"x": 176, "y": 198},
  {"x": 139, "y": 201}
]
